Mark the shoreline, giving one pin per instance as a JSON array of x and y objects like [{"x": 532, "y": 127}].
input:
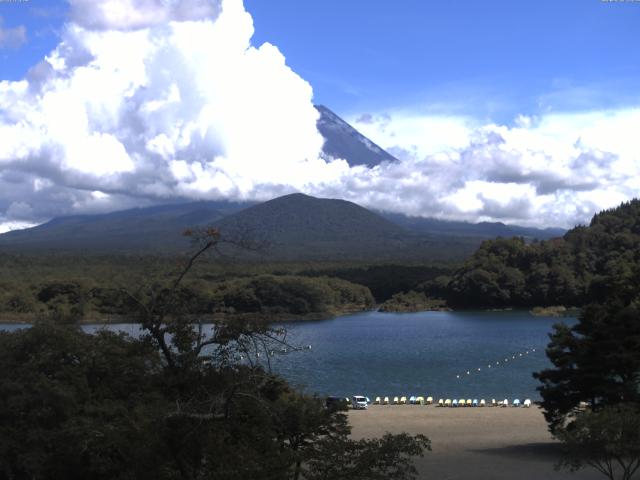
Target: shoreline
[
  {"x": 472, "y": 443},
  {"x": 11, "y": 318}
]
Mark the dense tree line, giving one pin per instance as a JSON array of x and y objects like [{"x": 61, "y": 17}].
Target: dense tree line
[
  {"x": 591, "y": 395},
  {"x": 283, "y": 296},
  {"x": 583, "y": 266},
  {"x": 292, "y": 295},
  {"x": 386, "y": 280},
  {"x": 580, "y": 267},
  {"x": 181, "y": 402},
  {"x": 74, "y": 287}
]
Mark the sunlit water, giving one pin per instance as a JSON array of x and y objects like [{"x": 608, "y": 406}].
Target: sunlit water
[{"x": 428, "y": 353}]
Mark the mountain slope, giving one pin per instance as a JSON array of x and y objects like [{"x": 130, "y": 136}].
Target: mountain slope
[
  {"x": 433, "y": 226},
  {"x": 344, "y": 141},
  {"x": 298, "y": 226},
  {"x": 152, "y": 229}
]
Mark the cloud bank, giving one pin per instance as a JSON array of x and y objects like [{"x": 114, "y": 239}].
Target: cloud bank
[
  {"x": 141, "y": 104},
  {"x": 151, "y": 101},
  {"x": 557, "y": 169}
]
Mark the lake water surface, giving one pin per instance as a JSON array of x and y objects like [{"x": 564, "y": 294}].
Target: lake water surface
[
  {"x": 427, "y": 353},
  {"x": 421, "y": 353}
]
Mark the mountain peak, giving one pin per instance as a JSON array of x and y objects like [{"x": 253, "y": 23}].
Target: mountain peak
[{"x": 344, "y": 141}]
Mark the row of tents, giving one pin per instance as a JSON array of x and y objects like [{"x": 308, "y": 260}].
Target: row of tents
[{"x": 451, "y": 403}]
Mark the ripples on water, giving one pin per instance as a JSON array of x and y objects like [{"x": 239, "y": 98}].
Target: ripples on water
[
  {"x": 420, "y": 354},
  {"x": 378, "y": 354}
]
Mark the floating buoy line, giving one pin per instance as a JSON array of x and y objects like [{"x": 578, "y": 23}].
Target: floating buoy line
[
  {"x": 285, "y": 350},
  {"x": 497, "y": 363},
  {"x": 280, "y": 351}
]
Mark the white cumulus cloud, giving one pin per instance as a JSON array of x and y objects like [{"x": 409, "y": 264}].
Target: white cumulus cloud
[
  {"x": 147, "y": 101},
  {"x": 135, "y": 14},
  {"x": 175, "y": 104},
  {"x": 557, "y": 169}
]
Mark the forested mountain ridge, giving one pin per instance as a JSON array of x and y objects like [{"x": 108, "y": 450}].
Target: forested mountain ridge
[
  {"x": 156, "y": 229},
  {"x": 486, "y": 230},
  {"x": 297, "y": 227},
  {"x": 300, "y": 226},
  {"x": 589, "y": 263}
]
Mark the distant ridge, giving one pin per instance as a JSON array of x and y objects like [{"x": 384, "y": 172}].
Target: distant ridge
[
  {"x": 299, "y": 226},
  {"x": 295, "y": 227},
  {"x": 155, "y": 229},
  {"x": 434, "y": 226}
]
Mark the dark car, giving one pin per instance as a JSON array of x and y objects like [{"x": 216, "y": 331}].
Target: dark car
[{"x": 337, "y": 403}]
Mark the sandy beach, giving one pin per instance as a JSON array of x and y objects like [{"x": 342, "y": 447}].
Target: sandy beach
[{"x": 473, "y": 443}]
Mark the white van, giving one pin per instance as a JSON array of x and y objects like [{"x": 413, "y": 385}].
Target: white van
[{"x": 358, "y": 402}]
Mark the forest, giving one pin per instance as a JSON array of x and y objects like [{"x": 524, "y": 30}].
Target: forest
[
  {"x": 178, "y": 403},
  {"x": 584, "y": 265},
  {"x": 60, "y": 387},
  {"x": 74, "y": 288}
]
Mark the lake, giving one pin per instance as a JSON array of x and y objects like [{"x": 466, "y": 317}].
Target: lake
[
  {"x": 426, "y": 353},
  {"x": 422, "y": 353}
]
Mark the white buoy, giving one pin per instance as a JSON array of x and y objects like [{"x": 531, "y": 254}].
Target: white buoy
[
  {"x": 457, "y": 376},
  {"x": 478, "y": 368},
  {"x": 468, "y": 373}
]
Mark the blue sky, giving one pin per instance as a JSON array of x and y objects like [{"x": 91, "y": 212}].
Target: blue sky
[
  {"x": 43, "y": 21},
  {"x": 493, "y": 58},
  {"x": 525, "y": 112}
]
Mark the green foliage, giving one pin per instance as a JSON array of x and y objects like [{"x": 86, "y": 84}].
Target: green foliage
[
  {"x": 607, "y": 440},
  {"x": 390, "y": 456},
  {"x": 178, "y": 403},
  {"x": 107, "y": 406},
  {"x": 386, "y": 280},
  {"x": 598, "y": 359},
  {"x": 411, "y": 301},
  {"x": 595, "y": 361},
  {"x": 76, "y": 406},
  {"x": 291, "y": 295},
  {"x": 587, "y": 264},
  {"x": 56, "y": 290},
  {"x": 18, "y": 302}
]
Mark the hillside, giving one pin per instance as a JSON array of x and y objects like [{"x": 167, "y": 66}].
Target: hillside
[
  {"x": 141, "y": 230},
  {"x": 589, "y": 263},
  {"x": 298, "y": 226},
  {"x": 295, "y": 227},
  {"x": 434, "y": 226}
]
